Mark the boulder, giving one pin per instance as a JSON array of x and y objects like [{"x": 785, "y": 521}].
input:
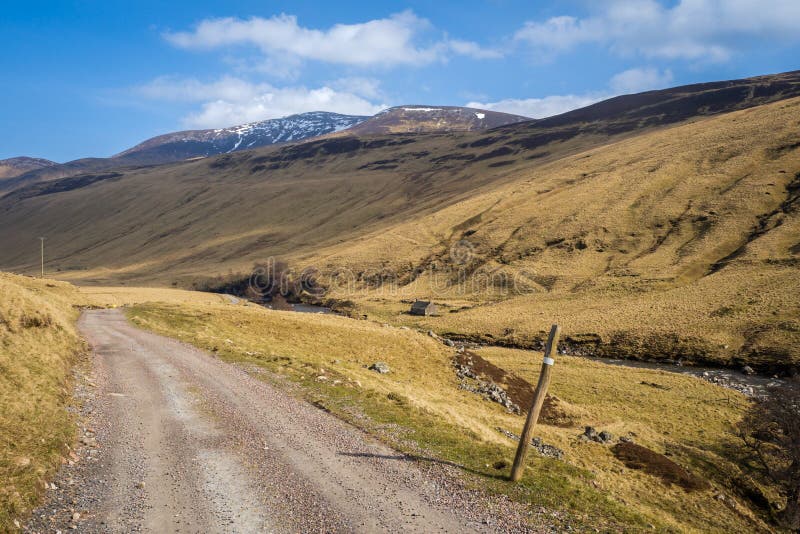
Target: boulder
[
  {"x": 605, "y": 436},
  {"x": 589, "y": 433},
  {"x": 380, "y": 367}
]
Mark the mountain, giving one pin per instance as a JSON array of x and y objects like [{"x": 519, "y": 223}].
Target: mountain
[
  {"x": 668, "y": 106},
  {"x": 180, "y": 146},
  {"x": 9, "y": 168},
  {"x": 635, "y": 113},
  {"x": 621, "y": 115},
  {"x": 206, "y": 205},
  {"x": 662, "y": 225},
  {"x": 427, "y": 119},
  {"x": 202, "y": 143},
  {"x": 185, "y": 145}
]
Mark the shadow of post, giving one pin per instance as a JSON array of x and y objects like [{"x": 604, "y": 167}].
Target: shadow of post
[{"x": 423, "y": 459}]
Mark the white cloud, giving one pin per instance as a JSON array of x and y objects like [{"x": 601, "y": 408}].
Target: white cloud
[
  {"x": 231, "y": 101},
  {"x": 629, "y": 81},
  {"x": 192, "y": 90},
  {"x": 638, "y": 80},
  {"x": 558, "y": 33},
  {"x": 473, "y": 50},
  {"x": 538, "y": 108},
  {"x": 366, "y": 87},
  {"x": 381, "y": 42},
  {"x": 705, "y": 30}
]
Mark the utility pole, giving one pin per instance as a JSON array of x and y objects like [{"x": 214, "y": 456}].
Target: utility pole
[{"x": 42, "y": 240}]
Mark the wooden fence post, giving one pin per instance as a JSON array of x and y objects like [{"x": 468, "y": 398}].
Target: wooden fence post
[{"x": 536, "y": 406}]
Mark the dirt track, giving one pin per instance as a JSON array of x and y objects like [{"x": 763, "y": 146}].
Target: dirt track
[{"x": 187, "y": 443}]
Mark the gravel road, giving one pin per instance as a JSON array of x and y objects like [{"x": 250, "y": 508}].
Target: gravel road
[{"x": 175, "y": 440}]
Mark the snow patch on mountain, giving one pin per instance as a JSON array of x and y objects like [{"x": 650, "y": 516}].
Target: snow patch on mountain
[
  {"x": 423, "y": 109},
  {"x": 251, "y": 135}
]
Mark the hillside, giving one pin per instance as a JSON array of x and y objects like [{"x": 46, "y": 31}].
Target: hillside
[
  {"x": 432, "y": 119},
  {"x": 202, "y": 143},
  {"x": 583, "y": 215},
  {"x": 38, "y": 348},
  {"x": 9, "y": 168},
  {"x": 613, "y": 117},
  {"x": 185, "y": 145},
  {"x": 179, "y": 146},
  {"x": 56, "y": 172}
]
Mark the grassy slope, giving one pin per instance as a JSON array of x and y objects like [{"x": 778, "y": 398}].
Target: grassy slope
[
  {"x": 175, "y": 222},
  {"x": 38, "y": 346},
  {"x": 616, "y": 241},
  {"x": 172, "y": 222},
  {"x": 419, "y": 408},
  {"x": 623, "y": 238}
]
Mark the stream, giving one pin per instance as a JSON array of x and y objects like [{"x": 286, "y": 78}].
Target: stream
[{"x": 752, "y": 385}]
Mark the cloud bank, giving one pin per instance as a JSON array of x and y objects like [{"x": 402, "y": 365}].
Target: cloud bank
[
  {"x": 698, "y": 30},
  {"x": 395, "y": 40},
  {"x": 626, "y": 82},
  {"x": 230, "y": 101}
]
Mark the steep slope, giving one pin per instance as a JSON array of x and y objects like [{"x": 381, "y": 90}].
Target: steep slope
[
  {"x": 179, "y": 146},
  {"x": 679, "y": 244},
  {"x": 682, "y": 240},
  {"x": 55, "y": 172},
  {"x": 196, "y": 143},
  {"x": 618, "y": 116},
  {"x": 305, "y": 194},
  {"x": 430, "y": 119},
  {"x": 9, "y": 168},
  {"x": 668, "y": 106}
]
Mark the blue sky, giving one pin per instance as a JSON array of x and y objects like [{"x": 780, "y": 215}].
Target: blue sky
[{"x": 92, "y": 78}]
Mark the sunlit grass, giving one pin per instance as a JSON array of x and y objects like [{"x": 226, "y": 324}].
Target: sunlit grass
[
  {"x": 419, "y": 408},
  {"x": 38, "y": 347}
]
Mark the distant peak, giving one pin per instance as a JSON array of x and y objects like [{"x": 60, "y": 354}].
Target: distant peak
[
  {"x": 190, "y": 144},
  {"x": 416, "y": 118}
]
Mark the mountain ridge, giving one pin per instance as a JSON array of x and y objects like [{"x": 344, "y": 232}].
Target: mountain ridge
[
  {"x": 418, "y": 118},
  {"x": 13, "y": 167},
  {"x": 638, "y": 212},
  {"x": 209, "y": 142},
  {"x": 618, "y": 115},
  {"x": 189, "y": 144}
]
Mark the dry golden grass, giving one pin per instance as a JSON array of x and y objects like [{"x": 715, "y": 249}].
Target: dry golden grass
[
  {"x": 38, "y": 346},
  {"x": 114, "y": 296},
  {"x": 621, "y": 239},
  {"x": 607, "y": 237},
  {"x": 419, "y": 401},
  {"x": 743, "y": 314},
  {"x": 689, "y": 418},
  {"x": 664, "y": 205}
]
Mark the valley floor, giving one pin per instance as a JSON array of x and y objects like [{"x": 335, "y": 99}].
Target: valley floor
[{"x": 206, "y": 413}]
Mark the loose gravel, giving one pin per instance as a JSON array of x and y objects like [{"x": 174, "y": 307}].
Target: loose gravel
[{"x": 175, "y": 440}]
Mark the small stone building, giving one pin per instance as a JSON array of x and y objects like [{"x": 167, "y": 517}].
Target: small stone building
[{"x": 423, "y": 307}]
